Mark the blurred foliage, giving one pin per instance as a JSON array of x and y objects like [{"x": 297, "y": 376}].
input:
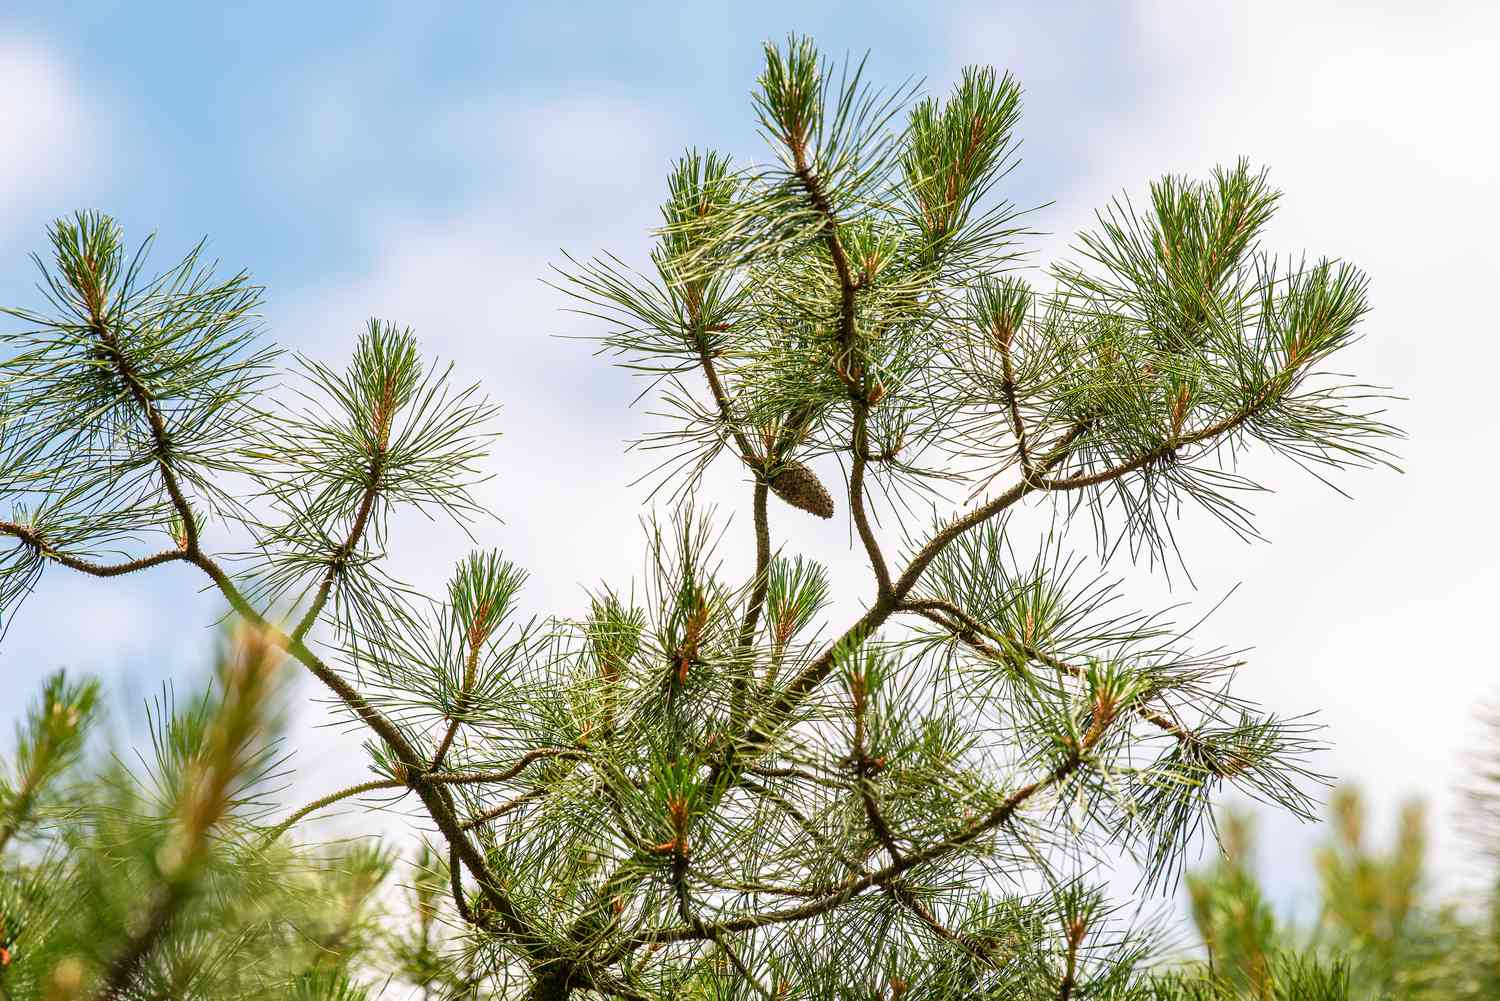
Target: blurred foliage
[
  {"x": 149, "y": 872},
  {"x": 1376, "y": 915}
]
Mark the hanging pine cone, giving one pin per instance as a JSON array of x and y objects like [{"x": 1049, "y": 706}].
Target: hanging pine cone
[{"x": 799, "y": 487}]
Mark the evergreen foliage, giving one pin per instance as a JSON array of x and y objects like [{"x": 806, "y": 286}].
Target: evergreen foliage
[
  {"x": 147, "y": 875},
  {"x": 704, "y": 787},
  {"x": 1375, "y": 916}
]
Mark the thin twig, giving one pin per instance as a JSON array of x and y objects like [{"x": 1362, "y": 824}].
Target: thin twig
[{"x": 329, "y": 800}]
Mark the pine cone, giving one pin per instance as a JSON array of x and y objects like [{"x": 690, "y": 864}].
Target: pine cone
[{"x": 799, "y": 487}]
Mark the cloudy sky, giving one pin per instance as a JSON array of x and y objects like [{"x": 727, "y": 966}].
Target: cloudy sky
[{"x": 427, "y": 162}]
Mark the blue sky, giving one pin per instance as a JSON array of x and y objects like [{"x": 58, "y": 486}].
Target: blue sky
[
  {"x": 426, "y": 162},
  {"x": 280, "y": 129}
]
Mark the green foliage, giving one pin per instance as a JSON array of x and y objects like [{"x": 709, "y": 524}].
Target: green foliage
[
  {"x": 388, "y": 431},
  {"x": 1288, "y": 977},
  {"x": 1376, "y": 917},
  {"x": 48, "y": 743},
  {"x": 1233, "y": 918},
  {"x": 147, "y": 878},
  {"x": 75, "y": 376},
  {"x": 701, "y": 786}
]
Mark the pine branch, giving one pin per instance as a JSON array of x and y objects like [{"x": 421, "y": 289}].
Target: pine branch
[
  {"x": 910, "y": 902},
  {"x": 859, "y": 446},
  {"x": 496, "y": 812},
  {"x": 325, "y": 801},
  {"x": 127, "y": 964},
  {"x": 788, "y": 698},
  {"x": 35, "y": 541},
  {"x": 504, "y": 775},
  {"x": 755, "y": 603},
  {"x": 761, "y": 585},
  {"x": 435, "y": 802},
  {"x": 969, "y": 631},
  {"x": 356, "y": 532},
  {"x": 160, "y": 441},
  {"x": 854, "y": 886}
]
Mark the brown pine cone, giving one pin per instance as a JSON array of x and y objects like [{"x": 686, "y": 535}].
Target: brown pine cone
[{"x": 799, "y": 487}]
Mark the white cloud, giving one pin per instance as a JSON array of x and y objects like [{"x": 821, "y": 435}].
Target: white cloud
[
  {"x": 592, "y": 143},
  {"x": 48, "y": 126},
  {"x": 470, "y": 284}
]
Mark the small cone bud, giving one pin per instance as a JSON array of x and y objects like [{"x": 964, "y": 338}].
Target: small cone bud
[{"x": 799, "y": 487}]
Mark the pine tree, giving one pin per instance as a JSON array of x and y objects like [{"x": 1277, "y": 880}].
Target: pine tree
[
  {"x": 703, "y": 787},
  {"x": 148, "y": 875}
]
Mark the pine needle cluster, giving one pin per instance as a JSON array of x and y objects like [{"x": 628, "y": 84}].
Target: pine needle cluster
[{"x": 704, "y": 787}]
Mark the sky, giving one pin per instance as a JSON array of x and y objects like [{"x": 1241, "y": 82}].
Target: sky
[{"x": 428, "y": 163}]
